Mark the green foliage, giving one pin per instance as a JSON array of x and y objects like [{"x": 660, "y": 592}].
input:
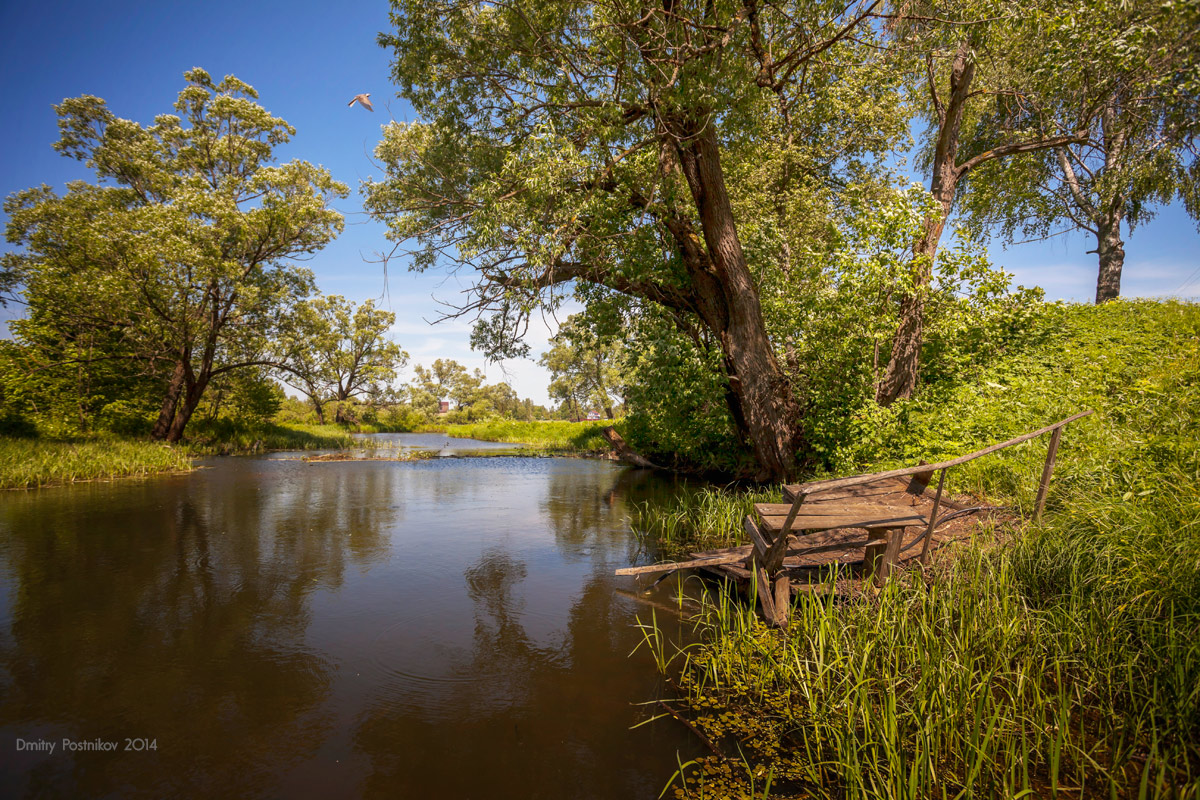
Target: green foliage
[
  {"x": 675, "y": 399},
  {"x": 175, "y": 267},
  {"x": 585, "y": 370},
  {"x": 1061, "y": 662}
]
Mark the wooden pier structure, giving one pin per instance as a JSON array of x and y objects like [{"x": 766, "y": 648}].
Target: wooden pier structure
[{"x": 860, "y": 521}]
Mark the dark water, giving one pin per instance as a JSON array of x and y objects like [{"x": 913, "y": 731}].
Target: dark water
[{"x": 446, "y": 628}]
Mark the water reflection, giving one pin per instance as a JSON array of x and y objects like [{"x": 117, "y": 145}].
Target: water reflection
[{"x": 292, "y": 629}]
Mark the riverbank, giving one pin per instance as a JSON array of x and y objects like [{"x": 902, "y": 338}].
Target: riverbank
[
  {"x": 30, "y": 463},
  {"x": 547, "y": 437},
  {"x": 1058, "y": 659}
]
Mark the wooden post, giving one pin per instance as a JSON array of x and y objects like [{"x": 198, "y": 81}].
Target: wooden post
[
  {"x": 1046, "y": 471},
  {"x": 773, "y": 558},
  {"x": 882, "y": 553},
  {"x": 877, "y": 539},
  {"x": 937, "y": 501},
  {"x": 763, "y": 587},
  {"x": 783, "y": 602}
]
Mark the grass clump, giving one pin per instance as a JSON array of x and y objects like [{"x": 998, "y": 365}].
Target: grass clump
[
  {"x": 1064, "y": 663},
  {"x": 571, "y": 437},
  {"x": 32, "y": 463}
]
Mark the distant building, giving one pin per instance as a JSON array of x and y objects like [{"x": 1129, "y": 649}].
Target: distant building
[
  {"x": 443, "y": 406},
  {"x": 593, "y": 415}
]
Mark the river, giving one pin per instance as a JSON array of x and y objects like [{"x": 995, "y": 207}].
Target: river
[{"x": 267, "y": 627}]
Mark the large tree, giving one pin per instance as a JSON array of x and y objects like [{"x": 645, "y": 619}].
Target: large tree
[
  {"x": 565, "y": 142},
  {"x": 973, "y": 63},
  {"x": 336, "y": 351},
  {"x": 584, "y": 370},
  {"x": 184, "y": 246},
  {"x": 1137, "y": 66}
]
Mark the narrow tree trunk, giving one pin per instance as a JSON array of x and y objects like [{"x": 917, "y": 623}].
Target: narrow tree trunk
[
  {"x": 166, "y": 415},
  {"x": 1111, "y": 249},
  {"x": 900, "y": 378},
  {"x": 319, "y": 407}
]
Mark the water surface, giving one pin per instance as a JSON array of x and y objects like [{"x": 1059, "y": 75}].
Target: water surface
[{"x": 443, "y": 628}]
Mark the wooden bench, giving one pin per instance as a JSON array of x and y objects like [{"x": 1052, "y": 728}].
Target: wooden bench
[{"x": 882, "y": 503}]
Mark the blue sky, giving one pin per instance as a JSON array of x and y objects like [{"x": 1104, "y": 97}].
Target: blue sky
[{"x": 307, "y": 59}]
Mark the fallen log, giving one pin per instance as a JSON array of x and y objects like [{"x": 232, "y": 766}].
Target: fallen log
[{"x": 624, "y": 452}]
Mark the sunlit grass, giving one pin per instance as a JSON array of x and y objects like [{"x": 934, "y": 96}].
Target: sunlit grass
[
  {"x": 30, "y": 463},
  {"x": 577, "y": 437}
]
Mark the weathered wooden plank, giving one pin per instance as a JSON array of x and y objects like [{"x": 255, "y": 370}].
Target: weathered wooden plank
[
  {"x": 1044, "y": 484},
  {"x": 836, "y": 509},
  {"x": 674, "y": 565},
  {"x": 891, "y": 556},
  {"x": 877, "y": 542},
  {"x": 854, "y": 480}
]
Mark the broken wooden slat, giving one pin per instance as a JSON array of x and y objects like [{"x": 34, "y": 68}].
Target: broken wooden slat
[
  {"x": 765, "y": 598},
  {"x": 761, "y": 546},
  {"x": 674, "y": 565},
  {"x": 1044, "y": 485}
]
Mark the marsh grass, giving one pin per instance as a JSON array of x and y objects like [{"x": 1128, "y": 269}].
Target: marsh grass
[
  {"x": 32, "y": 463},
  {"x": 1063, "y": 661}
]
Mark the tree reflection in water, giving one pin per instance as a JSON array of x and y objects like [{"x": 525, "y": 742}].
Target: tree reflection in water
[{"x": 446, "y": 628}]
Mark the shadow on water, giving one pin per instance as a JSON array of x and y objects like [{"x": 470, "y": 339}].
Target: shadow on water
[{"x": 287, "y": 629}]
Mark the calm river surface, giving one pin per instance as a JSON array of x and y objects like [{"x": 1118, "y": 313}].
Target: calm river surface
[{"x": 446, "y": 628}]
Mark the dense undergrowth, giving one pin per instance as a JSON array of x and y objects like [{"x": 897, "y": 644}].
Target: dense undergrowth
[{"x": 1060, "y": 662}]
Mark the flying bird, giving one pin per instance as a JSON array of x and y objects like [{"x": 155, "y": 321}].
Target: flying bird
[{"x": 363, "y": 100}]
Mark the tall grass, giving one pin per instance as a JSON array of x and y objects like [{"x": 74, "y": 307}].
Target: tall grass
[
  {"x": 1062, "y": 663},
  {"x": 574, "y": 437},
  {"x": 31, "y": 463}
]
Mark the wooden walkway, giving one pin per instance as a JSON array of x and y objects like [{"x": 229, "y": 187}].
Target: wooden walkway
[{"x": 867, "y": 522}]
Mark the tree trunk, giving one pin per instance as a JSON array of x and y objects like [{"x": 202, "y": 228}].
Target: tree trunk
[
  {"x": 900, "y": 378},
  {"x": 319, "y": 407},
  {"x": 760, "y": 397},
  {"x": 183, "y": 414},
  {"x": 166, "y": 415},
  {"x": 1111, "y": 249}
]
